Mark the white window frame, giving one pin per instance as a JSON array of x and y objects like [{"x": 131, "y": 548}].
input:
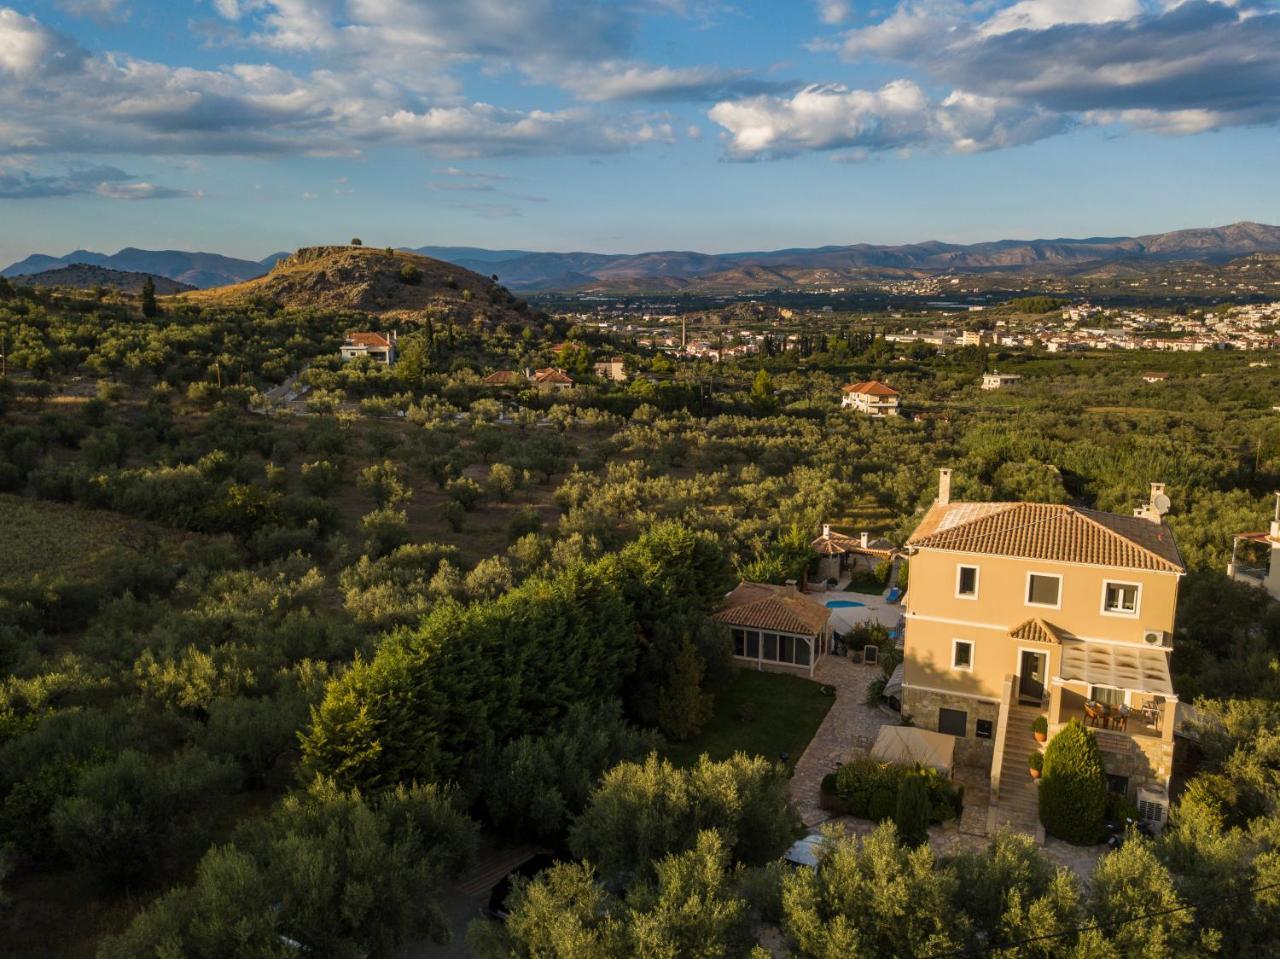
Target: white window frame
[
  {"x": 973, "y": 648},
  {"x": 960, "y": 567},
  {"x": 1124, "y": 613},
  {"x": 1026, "y": 592}
]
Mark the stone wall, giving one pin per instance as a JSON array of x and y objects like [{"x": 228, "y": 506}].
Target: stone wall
[
  {"x": 1145, "y": 760},
  {"x": 922, "y": 706}
]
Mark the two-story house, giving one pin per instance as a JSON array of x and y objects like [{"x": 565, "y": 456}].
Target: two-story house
[
  {"x": 873, "y": 398},
  {"x": 1017, "y": 610},
  {"x": 380, "y": 347}
]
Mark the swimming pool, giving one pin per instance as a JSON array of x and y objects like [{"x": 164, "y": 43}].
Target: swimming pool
[{"x": 843, "y": 603}]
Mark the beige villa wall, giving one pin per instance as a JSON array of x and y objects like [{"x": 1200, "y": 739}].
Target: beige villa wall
[
  {"x": 1002, "y": 592},
  {"x": 995, "y": 655}
]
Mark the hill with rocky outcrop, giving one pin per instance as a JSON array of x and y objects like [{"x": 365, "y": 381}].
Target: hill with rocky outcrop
[{"x": 384, "y": 282}]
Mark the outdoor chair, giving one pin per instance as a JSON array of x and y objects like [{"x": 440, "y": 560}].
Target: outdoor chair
[
  {"x": 1092, "y": 715},
  {"x": 1120, "y": 719}
]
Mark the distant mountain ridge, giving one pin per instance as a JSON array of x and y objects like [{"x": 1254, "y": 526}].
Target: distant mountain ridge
[
  {"x": 674, "y": 270},
  {"x": 677, "y": 269},
  {"x": 199, "y": 270},
  {"x": 82, "y": 276}
]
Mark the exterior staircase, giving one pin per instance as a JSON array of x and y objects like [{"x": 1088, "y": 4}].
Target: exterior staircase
[{"x": 1018, "y": 804}]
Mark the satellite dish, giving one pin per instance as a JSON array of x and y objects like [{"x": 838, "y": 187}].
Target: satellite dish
[{"x": 1161, "y": 503}]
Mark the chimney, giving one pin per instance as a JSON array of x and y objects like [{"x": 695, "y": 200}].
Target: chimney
[
  {"x": 826, "y": 530},
  {"x": 865, "y": 537},
  {"x": 944, "y": 486}
]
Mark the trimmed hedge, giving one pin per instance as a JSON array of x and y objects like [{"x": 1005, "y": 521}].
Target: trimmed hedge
[
  {"x": 868, "y": 789},
  {"x": 1073, "y": 789}
]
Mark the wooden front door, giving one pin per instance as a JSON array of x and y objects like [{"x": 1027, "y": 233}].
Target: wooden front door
[{"x": 1031, "y": 669}]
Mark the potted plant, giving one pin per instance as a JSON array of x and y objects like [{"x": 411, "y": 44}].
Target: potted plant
[
  {"x": 1035, "y": 762},
  {"x": 1041, "y": 729}
]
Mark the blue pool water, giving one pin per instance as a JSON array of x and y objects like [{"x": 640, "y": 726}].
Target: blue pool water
[{"x": 842, "y": 603}]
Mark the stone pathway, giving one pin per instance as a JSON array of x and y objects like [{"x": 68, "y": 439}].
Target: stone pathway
[{"x": 849, "y": 729}]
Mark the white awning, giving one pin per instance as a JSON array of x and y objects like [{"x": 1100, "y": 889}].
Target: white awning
[
  {"x": 910, "y": 745},
  {"x": 1119, "y": 667}
]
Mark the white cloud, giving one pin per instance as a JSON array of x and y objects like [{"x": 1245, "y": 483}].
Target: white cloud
[
  {"x": 898, "y": 116},
  {"x": 141, "y": 190},
  {"x": 65, "y": 102},
  {"x": 1042, "y": 14},
  {"x": 833, "y": 11},
  {"x": 613, "y": 80},
  {"x": 27, "y": 47},
  {"x": 99, "y": 11}
]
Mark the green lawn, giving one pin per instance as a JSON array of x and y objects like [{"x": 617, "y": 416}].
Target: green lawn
[
  {"x": 869, "y": 585},
  {"x": 787, "y": 711}
]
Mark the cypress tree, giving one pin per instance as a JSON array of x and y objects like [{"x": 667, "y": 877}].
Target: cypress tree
[{"x": 149, "y": 308}]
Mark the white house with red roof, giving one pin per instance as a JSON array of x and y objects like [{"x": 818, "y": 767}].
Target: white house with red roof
[
  {"x": 873, "y": 398},
  {"x": 380, "y": 347}
]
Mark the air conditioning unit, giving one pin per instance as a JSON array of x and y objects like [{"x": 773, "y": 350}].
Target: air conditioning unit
[
  {"x": 1153, "y": 637},
  {"x": 1153, "y": 806}
]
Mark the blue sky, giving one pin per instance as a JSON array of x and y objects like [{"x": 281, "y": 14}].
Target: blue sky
[{"x": 250, "y": 126}]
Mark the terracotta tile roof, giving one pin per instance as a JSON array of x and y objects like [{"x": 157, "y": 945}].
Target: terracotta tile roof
[
  {"x": 872, "y": 387},
  {"x": 839, "y": 544},
  {"x": 552, "y": 375},
  {"x": 368, "y": 340},
  {"x": 1037, "y": 631},
  {"x": 776, "y": 608},
  {"x": 1049, "y": 531},
  {"x": 503, "y": 378}
]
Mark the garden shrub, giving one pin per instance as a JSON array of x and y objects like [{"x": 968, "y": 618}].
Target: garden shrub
[
  {"x": 1073, "y": 789},
  {"x": 884, "y": 803},
  {"x": 870, "y": 788},
  {"x": 913, "y": 811}
]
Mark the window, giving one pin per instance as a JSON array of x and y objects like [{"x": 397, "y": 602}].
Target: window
[
  {"x": 961, "y": 654},
  {"x": 739, "y": 643},
  {"x": 1106, "y": 695},
  {"x": 1120, "y": 598},
  {"x": 952, "y": 722},
  {"x": 802, "y": 653},
  {"x": 1043, "y": 589},
  {"x": 983, "y": 729},
  {"x": 967, "y": 582},
  {"x": 753, "y": 644},
  {"x": 1117, "y": 784},
  {"x": 770, "y": 647}
]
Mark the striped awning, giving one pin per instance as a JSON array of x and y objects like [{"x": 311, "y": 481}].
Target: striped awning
[{"x": 1119, "y": 667}]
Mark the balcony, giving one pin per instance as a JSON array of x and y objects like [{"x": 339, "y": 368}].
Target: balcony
[
  {"x": 1120, "y": 691},
  {"x": 1148, "y": 715}
]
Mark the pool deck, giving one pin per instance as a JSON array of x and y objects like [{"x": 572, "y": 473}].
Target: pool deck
[{"x": 875, "y": 609}]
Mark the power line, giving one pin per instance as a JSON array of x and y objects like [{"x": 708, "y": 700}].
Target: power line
[{"x": 1099, "y": 927}]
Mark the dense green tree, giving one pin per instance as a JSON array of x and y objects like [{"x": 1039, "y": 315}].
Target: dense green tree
[{"x": 1073, "y": 786}]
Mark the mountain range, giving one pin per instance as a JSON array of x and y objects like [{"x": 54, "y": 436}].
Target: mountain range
[
  {"x": 199, "y": 270},
  {"x": 531, "y": 271}
]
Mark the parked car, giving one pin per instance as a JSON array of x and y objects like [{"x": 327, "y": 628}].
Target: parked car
[
  {"x": 804, "y": 852},
  {"x": 497, "y": 905}
]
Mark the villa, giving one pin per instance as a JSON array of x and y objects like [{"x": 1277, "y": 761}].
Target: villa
[
  {"x": 1019, "y": 610},
  {"x": 380, "y": 347},
  {"x": 552, "y": 380},
  {"x": 839, "y": 553},
  {"x": 776, "y": 628},
  {"x": 611, "y": 370},
  {"x": 872, "y": 398},
  {"x": 998, "y": 381},
  {"x": 1262, "y": 550},
  {"x": 505, "y": 378}
]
